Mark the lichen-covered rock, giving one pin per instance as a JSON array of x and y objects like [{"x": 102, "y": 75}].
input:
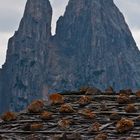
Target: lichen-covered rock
[
  {"x": 32, "y": 127},
  {"x": 87, "y": 113},
  {"x": 56, "y": 98},
  {"x": 83, "y": 124},
  {"x": 124, "y": 125},
  {"x": 101, "y": 136},
  {"x": 94, "y": 128},
  {"x": 130, "y": 108},
  {"x": 64, "y": 123},
  {"x": 46, "y": 115},
  {"x": 84, "y": 100},
  {"x": 123, "y": 99},
  {"x": 36, "y": 106},
  {"x": 36, "y": 127},
  {"x": 66, "y": 108},
  {"x": 9, "y": 116}
]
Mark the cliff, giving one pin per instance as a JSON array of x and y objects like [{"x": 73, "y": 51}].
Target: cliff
[
  {"x": 24, "y": 67},
  {"x": 93, "y": 46}
]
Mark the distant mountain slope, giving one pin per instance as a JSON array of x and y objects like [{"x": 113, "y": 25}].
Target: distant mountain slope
[{"x": 93, "y": 46}]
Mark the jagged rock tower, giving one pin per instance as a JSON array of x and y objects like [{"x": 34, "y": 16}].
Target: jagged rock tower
[
  {"x": 24, "y": 68},
  {"x": 92, "y": 46}
]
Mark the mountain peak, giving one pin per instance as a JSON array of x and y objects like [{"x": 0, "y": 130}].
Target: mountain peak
[
  {"x": 38, "y": 8},
  {"x": 93, "y": 46},
  {"x": 91, "y": 12},
  {"x": 38, "y": 12}
]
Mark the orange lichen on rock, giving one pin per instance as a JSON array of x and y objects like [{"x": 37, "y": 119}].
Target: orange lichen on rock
[
  {"x": 46, "y": 115},
  {"x": 36, "y": 106},
  {"x": 9, "y": 116},
  {"x": 101, "y": 136},
  {"x": 64, "y": 123},
  {"x": 36, "y": 126},
  {"x": 130, "y": 108},
  {"x": 87, "y": 113},
  {"x": 56, "y": 98},
  {"x": 66, "y": 108},
  {"x": 95, "y": 127},
  {"x": 123, "y": 99},
  {"x": 84, "y": 100},
  {"x": 124, "y": 125}
]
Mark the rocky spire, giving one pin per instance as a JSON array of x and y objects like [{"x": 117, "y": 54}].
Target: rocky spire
[
  {"x": 23, "y": 70},
  {"x": 96, "y": 13},
  {"x": 98, "y": 44},
  {"x": 39, "y": 13},
  {"x": 93, "y": 46}
]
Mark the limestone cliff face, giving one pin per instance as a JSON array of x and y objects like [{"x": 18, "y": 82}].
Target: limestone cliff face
[
  {"x": 24, "y": 67},
  {"x": 92, "y": 46}
]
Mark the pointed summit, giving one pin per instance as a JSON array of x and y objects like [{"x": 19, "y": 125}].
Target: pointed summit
[
  {"x": 23, "y": 70},
  {"x": 93, "y": 46},
  {"x": 38, "y": 9},
  {"x": 99, "y": 14},
  {"x": 99, "y": 44},
  {"x": 38, "y": 12}
]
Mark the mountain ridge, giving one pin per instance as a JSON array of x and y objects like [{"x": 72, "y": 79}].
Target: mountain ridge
[{"x": 93, "y": 46}]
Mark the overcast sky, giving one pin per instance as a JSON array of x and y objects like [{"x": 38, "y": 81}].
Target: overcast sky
[{"x": 11, "y": 12}]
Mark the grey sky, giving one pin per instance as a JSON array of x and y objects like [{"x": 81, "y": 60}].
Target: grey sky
[{"x": 11, "y": 12}]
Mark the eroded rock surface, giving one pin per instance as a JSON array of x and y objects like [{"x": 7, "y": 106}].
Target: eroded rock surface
[{"x": 93, "y": 46}]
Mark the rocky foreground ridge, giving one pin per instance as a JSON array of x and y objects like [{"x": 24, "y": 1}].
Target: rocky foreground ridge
[
  {"x": 88, "y": 114},
  {"x": 93, "y": 46}
]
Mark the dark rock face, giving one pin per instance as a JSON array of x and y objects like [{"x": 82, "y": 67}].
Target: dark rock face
[
  {"x": 24, "y": 67},
  {"x": 93, "y": 46}
]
